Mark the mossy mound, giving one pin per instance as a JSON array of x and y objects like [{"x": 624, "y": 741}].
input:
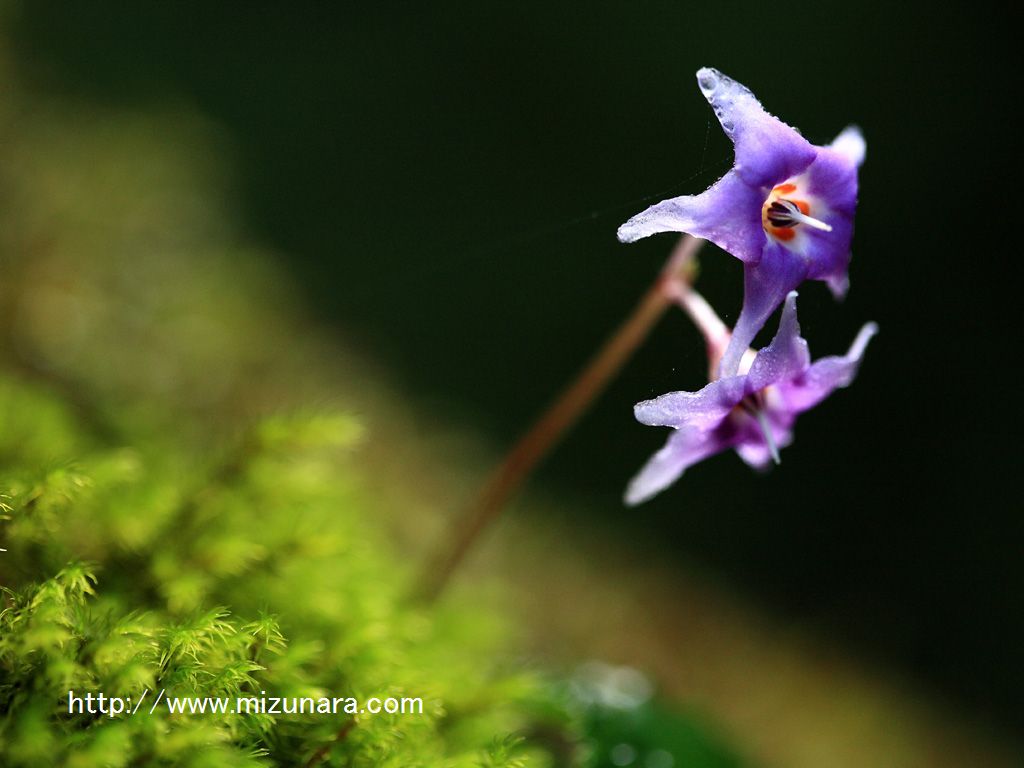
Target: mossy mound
[{"x": 254, "y": 569}]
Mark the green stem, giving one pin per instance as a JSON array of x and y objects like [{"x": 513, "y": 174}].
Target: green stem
[{"x": 559, "y": 417}]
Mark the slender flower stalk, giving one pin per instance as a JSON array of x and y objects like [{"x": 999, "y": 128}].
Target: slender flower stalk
[
  {"x": 716, "y": 333},
  {"x": 560, "y": 416}
]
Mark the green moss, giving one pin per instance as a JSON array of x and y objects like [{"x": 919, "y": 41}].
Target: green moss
[{"x": 258, "y": 568}]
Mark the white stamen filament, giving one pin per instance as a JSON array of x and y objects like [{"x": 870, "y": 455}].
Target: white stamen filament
[
  {"x": 802, "y": 218},
  {"x": 861, "y": 342},
  {"x": 769, "y": 438}
]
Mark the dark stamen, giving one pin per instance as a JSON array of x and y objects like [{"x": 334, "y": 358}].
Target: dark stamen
[{"x": 780, "y": 214}]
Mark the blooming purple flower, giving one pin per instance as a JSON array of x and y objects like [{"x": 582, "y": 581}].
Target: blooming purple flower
[
  {"x": 785, "y": 209},
  {"x": 752, "y": 413}
]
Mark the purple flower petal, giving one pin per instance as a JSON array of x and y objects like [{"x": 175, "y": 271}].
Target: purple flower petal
[
  {"x": 700, "y": 410},
  {"x": 770, "y": 156},
  {"x": 786, "y": 357},
  {"x": 765, "y": 285},
  {"x": 826, "y": 375},
  {"x": 685, "y": 447},
  {"x": 851, "y": 145},
  {"x": 755, "y": 452},
  {"x": 827, "y": 254},
  {"x": 838, "y": 284},
  {"x": 832, "y": 179},
  {"x": 767, "y": 150},
  {"x": 728, "y": 214}
]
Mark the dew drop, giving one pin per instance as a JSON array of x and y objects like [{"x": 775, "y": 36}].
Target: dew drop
[{"x": 708, "y": 80}]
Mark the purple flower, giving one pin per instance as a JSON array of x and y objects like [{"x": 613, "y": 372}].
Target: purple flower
[
  {"x": 752, "y": 413},
  {"x": 785, "y": 209}
]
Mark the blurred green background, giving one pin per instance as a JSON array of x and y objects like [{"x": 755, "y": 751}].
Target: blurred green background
[{"x": 445, "y": 180}]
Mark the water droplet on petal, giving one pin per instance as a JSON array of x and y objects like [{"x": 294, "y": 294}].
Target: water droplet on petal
[{"x": 707, "y": 81}]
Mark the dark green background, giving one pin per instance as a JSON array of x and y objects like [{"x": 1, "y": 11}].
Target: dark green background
[{"x": 447, "y": 179}]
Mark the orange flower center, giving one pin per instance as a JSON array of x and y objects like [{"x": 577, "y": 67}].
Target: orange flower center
[{"x": 780, "y": 213}]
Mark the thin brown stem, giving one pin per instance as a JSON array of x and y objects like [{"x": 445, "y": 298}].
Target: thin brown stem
[
  {"x": 560, "y": 416},
  {"x": 317, "y": 757}
]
